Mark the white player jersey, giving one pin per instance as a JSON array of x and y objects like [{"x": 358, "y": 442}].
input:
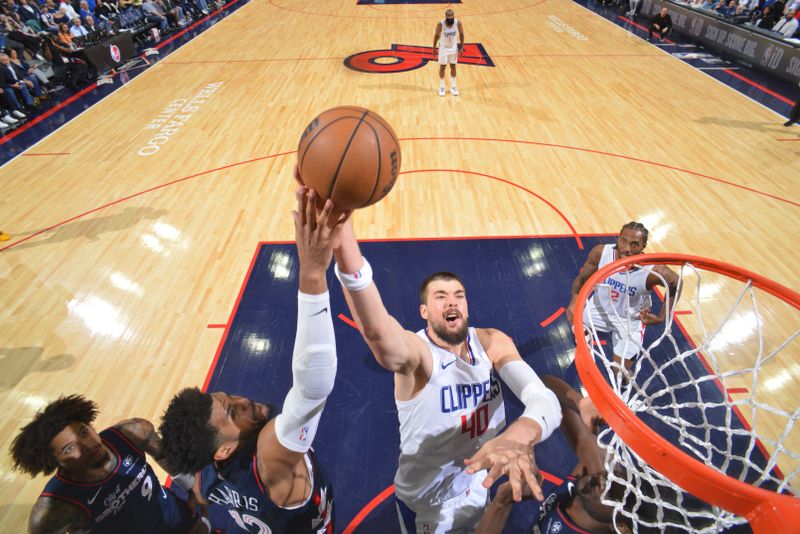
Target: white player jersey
[
  {"x": 458, "y": 410},
  {"x": 448, "y": 39},
  {"x": 625, "y": 291}
]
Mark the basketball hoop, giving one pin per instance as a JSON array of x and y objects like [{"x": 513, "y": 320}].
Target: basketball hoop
[{"x": 675, "y": 429}]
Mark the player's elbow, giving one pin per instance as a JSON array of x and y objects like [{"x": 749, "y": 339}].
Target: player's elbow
[{"x": 314, "y": 371}]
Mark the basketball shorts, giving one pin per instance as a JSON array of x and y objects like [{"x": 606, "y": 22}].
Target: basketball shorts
[
  {"x": 626, "y": 336},
  {"x": 448, "y": 56},
  {"x": 459, "y": 515}
]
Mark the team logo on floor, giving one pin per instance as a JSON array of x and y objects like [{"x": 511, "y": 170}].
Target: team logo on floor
[{"x": 403, "y": 58}]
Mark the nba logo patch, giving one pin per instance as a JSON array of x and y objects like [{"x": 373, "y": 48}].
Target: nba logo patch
[
  {"x": 115, "y": 53},
  {"x": 303, "y": 433},
  {"x": 127, "y": 461}
]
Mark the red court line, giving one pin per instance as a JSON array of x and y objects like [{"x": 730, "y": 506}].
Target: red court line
[
  {"x": 759, "y": 86},
  {"x": 224, "y": 335},
  {"x": 36, "y": 120},
  {"x": 552, "y": 317},
  {"x": 509, "y": 182},
  {"x": 683, "y": 312},
  {"x": 629, "y": 21},
  {"x": 738, "y": 390},
  {"x": 348, "y": 320},
  {"x": 140, "y": 193},
  {"x": 603, "y": 342},
  {"x": 47, "y": 154},
  {"x": 602, "y": 153},
  {"x": 371, "y": 505},
  {"x": 216, "y": 325}
]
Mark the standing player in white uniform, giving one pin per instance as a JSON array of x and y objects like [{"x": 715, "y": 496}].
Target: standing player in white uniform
[
  {"x": 449, "y": 400},
  {"x": 621, "y": 303},
  {"x": 450, "y": 48}
]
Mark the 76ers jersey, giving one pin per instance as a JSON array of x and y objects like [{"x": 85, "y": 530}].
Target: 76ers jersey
[
  {"x": 458, "y": 410},
  {"x": 238, "y": 488},
  {"x": 447, "y": 39},
  {"x": 129, "y": 500},
  {"x": 620, "y": 296},
  {"x": 552, "y": 517}
]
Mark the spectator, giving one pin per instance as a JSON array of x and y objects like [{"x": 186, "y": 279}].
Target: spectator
[
  {"x": 661, "y": 25},
  {"x": 46, "y": 18},
  {"x": 17, "y": 32},
  {"x": 34, "y": 74},
  {"x": 153, "y": 13},
  {"x": 129, "y": 16},
  {"x": 768, "y": 18},
  {"x": 84, "y": 11},
  {"x": 9, "y": 115},
  {"x": 66, "y": 70},
  {"x": 794, "y": 114},
  {"x": 77, "y": 29},
  {"x": 12, "y": 83},
  {"x": 173, "y": 12},
  {"x": 68, "y": 9},
  {"x": 634, "y": 8},
  {"x": 28, "y": 12},
  {"x": 727, "y": 10},
  {"x": 90, "y": 25},
  {"x": 787, "y": 26}
]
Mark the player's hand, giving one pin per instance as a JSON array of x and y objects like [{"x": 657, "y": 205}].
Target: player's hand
[
  {"x": 589, "y": 415},
  {"x": 648, "y": 318},
  {"x": 435, "y": 53},
  {"x": 511, "y": 454},
  {"x": 460, "y": 50},
  {"x": 571, "y": 312},
  {"x": 316, "y": 230},
  {"x": 505, "y": 495}
]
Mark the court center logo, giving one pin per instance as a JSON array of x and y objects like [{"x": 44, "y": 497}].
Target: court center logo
[{"x": 404, "y": 58}]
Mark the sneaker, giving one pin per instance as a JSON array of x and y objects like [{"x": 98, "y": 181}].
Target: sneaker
[
  {"x": 205, "y": 12},
  {"x": 18, "y": 114},
  {"x": 8, "y": 119},
  {"x": 4, "y": 125},
  {"x": 441, "y": 91},
  {"x": 4, "y": 236},
  {"x": 454, "y": 91},
  {"x": 788, "y": 123}
]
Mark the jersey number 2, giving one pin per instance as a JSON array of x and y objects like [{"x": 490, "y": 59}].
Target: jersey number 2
[
  {"x": 477, "y": 422},
  {"x": 244, "y": 520}
]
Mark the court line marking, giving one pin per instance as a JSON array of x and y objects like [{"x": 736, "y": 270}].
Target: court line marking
[
  {"x": 553, "y": 317},
  {"x": 488, "y": 139},
  {"x": 404, "y": 15}
]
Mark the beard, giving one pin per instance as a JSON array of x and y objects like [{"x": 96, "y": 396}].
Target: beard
[{"x": 452, "y": 338}]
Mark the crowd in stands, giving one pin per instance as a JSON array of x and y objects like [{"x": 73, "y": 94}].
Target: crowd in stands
[
  {"x": 779, "y": 16},
  {"x": 41, "y": 43}
]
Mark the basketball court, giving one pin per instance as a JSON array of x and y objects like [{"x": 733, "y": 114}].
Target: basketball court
[{"x": 152, "y": 237}]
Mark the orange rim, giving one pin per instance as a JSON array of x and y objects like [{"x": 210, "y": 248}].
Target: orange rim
[{"x": 767, "y": 511}]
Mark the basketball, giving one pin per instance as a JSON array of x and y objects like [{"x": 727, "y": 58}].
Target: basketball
[{"x": 350, "y": 155}]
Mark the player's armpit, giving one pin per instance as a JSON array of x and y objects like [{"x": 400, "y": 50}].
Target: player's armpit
[{"x": 53, "y": 516}]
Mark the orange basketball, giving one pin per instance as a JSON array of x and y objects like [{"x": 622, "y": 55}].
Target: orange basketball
[{"x": 350, "y": 155}]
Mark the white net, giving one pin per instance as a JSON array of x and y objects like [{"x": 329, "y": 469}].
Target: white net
[{"x": 718, "y": 378}]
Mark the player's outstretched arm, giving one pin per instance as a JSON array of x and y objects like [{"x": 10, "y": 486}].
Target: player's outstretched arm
[
  {"x": 395, "y": 348},
  {"x": 580, "y": 424},
  {"x": 588, "y": 269},
  {"x": 661, "y": 275},
  {"x": 511, "y": 453},
  {"x": 436, "y": 37},
  {"x": 54, "y": 516},
  {"x": 284, "y": 441},
  {"x": 460, "y": 37}
]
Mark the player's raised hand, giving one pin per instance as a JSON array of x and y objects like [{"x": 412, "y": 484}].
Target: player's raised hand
[
  {"x": 649, "y": 318},
  {"x": 511, "y": 453},
  {"x": 316, "y": 230}
]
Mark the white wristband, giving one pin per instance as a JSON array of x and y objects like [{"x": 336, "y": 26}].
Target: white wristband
[{"x": 357, "y": 281}]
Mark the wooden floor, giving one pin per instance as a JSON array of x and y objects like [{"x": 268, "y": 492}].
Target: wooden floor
[{"x": 115, "y": 303}]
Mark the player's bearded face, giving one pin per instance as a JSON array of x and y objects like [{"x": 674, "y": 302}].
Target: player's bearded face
[
  {"x": 589, "y": 490},
  {"x": 451, "y": 336}
]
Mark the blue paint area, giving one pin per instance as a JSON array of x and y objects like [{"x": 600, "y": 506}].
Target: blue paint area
[
  {"x": 711, "y": 64},
  {"x": 22, "y": 142},
  {"x": 512, "y": 284}
]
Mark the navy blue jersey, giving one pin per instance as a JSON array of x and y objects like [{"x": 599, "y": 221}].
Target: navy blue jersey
[
  {"x": 129, "y": 500},
  {"x": 553, "y": 519},
  {"x": 238, "y": 488}
]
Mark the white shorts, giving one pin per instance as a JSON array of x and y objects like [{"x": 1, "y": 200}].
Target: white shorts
[
  {"x": 448, "y": 56},
  {"x": 626, "y": 336},
  {"x": 459, "y": 515}
]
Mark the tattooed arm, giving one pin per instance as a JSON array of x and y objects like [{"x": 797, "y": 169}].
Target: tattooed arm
[
  {"x": 142, "y": 433},
  {"x": 54, "y": 516}
]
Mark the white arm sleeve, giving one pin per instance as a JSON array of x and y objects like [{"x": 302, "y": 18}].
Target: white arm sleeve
[
  {"x": 541, "y": 404},
  {"x": 313, "y": 373}
]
